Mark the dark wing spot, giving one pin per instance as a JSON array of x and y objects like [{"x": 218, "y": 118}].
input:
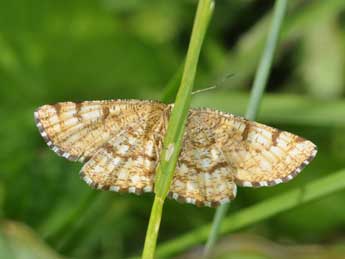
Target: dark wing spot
[
  {"x": 275, "y": 136},
  {"x": 105, "y": 111},
  {"x": 245, "y": 131},
  {"x": 299, "y": 139},
  {"x": 57, "y": 108},
  {"x": 77, "y": 110}
]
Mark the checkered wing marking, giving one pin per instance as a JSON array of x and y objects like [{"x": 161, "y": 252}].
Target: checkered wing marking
[
  {"x": 258, "y": 154},
  {"x": 203, "y": 175},
  {"x": 125, "y": 163},
  {"x": 77, "y": 130}
]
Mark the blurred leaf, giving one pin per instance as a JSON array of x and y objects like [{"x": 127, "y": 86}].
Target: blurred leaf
[
  {"x": 8, "y": 59},
  {"x": 145, "y": 24},
  {"x": 322, "y": 67},
  {"x": 17, "y": 241},
  {"x": 243, "y": 58},
  {"x": 65, "y": 215}
]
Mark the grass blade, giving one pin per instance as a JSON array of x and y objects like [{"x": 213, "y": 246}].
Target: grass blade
[
  {"x": 171, "y": 88},
  {"x": 266, "y": 61}
]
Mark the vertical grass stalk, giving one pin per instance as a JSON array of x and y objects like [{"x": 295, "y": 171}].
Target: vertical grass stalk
[
  {"x": 173, "y": 137},
  {"x": 258, "y": 89}
]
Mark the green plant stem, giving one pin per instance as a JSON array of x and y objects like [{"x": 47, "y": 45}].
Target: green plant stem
[
  {"x": 212, "y": 237},
  {"x": 258, "y": 89},
  {"x": 314, "y": 190},
  {"x": 173, "y": 137},
  {"x": 266, "y": 61},
  {"x": 153, "y": 228}
]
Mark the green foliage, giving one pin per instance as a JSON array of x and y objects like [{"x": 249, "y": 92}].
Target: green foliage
[
  {"x": 54, "y": 51},
  {"x": 19, "y": 241}
]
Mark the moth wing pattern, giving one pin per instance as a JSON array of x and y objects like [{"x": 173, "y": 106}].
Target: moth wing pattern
[
  {"x": 77, "y": 130},
  {"x": 203, "y": 176},
  {"x": 126, "y": 163},
  {"x": 258, "y": 154},
  {"x": 120, "y": 141}
]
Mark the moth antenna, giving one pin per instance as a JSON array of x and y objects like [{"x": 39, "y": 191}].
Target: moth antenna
[
  {"x": 205, "y": 89},
  {"x": 214, "y": 86}
]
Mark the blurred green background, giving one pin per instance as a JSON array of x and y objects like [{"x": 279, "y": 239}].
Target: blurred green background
[{"x": 53, "y": 51}]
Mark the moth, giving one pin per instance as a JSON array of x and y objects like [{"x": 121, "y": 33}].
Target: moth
[{"x": 119, "y": 143}]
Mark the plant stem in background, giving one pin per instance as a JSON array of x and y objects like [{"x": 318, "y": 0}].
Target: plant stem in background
[
  {"x": 258, "y": 89},
  {"x": 266, "y": 61},
  {"x": 173, "y": 137}
]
